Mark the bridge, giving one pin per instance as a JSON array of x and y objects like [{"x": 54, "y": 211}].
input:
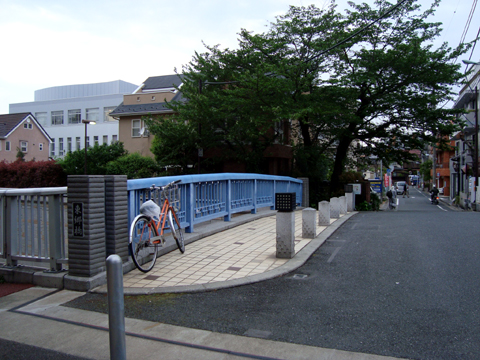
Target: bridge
[{"x": 37, "y": 224}]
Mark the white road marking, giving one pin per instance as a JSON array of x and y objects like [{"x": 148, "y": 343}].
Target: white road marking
[{"x": 333, "y": 255}]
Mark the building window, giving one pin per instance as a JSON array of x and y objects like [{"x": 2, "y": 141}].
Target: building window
[
  {"x": 40, "y": 147},
  {"x": 136, "y": 126},
  {"x": 24, "y": 146},
  {"x": 114, "y": 138},
  {"x": 105, "y": 139},
  {"x": 52, "y": 148},
  {"x": 88, "y": 141},
  {"x": 77, "y": 143},
  {"x": 41, "y": 118},
  {"x": 69, "y": 144},
  {"x": 60, "y": 147},
  {"x": 92, "y": 114},
  {"x": 7, "y": 145},
  {"x": 75, "y": 116},
  {"x": 279, "y": 132},
  {"x": 95, "y": 140},
  {"x": 57, "y": 117},
  {"x": 27, "y": 126},
  {"x": 106, "y": 113}
]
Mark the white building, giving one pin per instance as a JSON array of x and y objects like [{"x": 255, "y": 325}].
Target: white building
[{"x": 61, "y": 109}]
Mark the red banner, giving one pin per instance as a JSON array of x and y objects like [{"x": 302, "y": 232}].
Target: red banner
[{"x": 387, "y": 181}]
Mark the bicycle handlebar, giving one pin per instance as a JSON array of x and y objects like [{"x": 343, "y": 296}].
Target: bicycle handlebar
[{"x": 165, "y": 187}]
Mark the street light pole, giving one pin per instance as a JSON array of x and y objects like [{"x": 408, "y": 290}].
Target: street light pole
[{"x": 86, "y": 122}]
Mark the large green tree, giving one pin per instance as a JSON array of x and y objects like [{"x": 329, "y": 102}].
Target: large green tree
[
  {"x": 397, "y": 82},
  {"x": 371, "y": 76}
]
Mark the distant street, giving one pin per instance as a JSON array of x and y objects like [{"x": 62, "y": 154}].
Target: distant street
[{"x": 402, "y": 283}]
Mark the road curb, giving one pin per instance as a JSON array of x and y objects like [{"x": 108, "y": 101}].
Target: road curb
[{"x": 297, "y": 261}]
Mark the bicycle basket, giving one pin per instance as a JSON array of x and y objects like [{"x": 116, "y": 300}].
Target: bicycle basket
[
  {"x": 150, "y": 208},
  {"x": 173, "y": 195}
]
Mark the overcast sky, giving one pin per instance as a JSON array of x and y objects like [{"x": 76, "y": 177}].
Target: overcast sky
[{"x": 47, "y": 43}]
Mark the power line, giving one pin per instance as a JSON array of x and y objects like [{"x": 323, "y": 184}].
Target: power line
[
  {"x": 468, "y": 22},
  {"x": 393, "y": 8}
]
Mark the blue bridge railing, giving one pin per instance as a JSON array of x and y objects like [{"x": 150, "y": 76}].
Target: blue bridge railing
[{"x": 202, "y": 198}]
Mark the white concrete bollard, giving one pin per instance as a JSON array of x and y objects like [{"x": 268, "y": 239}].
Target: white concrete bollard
[
  {"x": 350, "y": 201},
  {"x": 324, "y": 213},
  {"x": 334, "y": 208},
  {"x": 342, "y": 205},
  {"x": 309, "y": 225},
  {"x": 285, "y": 235}
]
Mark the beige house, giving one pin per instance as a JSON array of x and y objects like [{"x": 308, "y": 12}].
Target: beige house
[
  {"x": 22, "y": 132},
  {"x": 148, "y": 99}
]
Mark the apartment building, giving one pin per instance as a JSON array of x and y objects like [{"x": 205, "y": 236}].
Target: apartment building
[
  {"x": 463, "y": 164},
  {"x": 61, "y": 109}
]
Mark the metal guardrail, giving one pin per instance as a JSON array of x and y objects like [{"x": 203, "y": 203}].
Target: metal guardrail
[
  {"x": 33, "y": 221},
  {"x": 33, "y": 226},
  {"x": 209, "y": 196}
]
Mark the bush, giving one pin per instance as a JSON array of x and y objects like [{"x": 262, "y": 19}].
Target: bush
[
  {"x": 375, "y": 201},
  {"x": 364, "y": 206},
  {"x": 31, "y": 174},
  {"x": 97, "y": 159},
  {"x": 134, "y": 166}
]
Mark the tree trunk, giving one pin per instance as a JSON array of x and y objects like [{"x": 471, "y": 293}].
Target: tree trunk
[{"x": 339, "y": 165}]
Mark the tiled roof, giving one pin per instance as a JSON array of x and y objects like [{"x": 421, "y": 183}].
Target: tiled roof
[
  {"x": 9, "y": 121},
  {"x": 162, "y": 82},
  {"x": 139, "y": 109},
  {"x": 144, "y": 109}
]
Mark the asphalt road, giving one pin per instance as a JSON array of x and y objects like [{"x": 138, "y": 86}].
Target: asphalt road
[
  {"x": 401, "y": 283},
  {"x": 11, "y": 350}
]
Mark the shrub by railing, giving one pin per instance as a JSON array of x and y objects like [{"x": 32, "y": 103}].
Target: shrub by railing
[{"x": 31, "y": 174}]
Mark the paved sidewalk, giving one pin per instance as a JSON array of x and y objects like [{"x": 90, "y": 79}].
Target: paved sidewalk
[
  {"x": 35, "y": 317},
  {"x": 235, "y": 256},
  {"x": 238, "y": 255}
]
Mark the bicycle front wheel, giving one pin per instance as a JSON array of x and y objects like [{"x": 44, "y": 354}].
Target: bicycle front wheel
[
  {"x": 177, "y": 231},
  {"x": 142, "y": 250}
]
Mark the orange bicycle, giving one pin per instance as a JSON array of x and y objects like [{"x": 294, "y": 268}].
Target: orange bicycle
[{"x": 144, "y": 232}]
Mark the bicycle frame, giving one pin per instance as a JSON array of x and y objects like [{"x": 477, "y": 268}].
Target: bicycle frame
[
  {"x": 139, "y": 243},
  {"x": 160, "y": 224}
]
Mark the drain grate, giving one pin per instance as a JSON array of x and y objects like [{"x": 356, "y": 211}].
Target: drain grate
[
  {"x": 300, "y": 276},
  {"x": 257, "y": 333}
]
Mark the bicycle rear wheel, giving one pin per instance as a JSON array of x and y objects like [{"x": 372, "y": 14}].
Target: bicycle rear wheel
[
  {"x": 142, "y": 250},
  {"x": 177, "y": 231}
]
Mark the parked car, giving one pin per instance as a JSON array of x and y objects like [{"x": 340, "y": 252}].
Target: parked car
[{"x": 400, "y": 187}]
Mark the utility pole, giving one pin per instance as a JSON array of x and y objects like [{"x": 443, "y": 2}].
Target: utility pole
[
  {"x": 475, "y": 170},
  {"x": 434, "y": 164}
]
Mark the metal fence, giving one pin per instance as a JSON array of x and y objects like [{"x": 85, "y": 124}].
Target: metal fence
[
  {"x": 205, "y": 197},
  {"x": 33, "y": 225}
]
